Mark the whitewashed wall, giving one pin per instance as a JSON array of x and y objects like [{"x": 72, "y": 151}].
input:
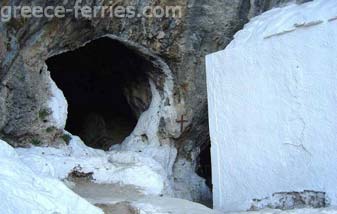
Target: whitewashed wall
[{"x": 273, "y": 107}]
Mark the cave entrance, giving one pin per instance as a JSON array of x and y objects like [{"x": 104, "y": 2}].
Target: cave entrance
[{"x": 107, "y": 87}]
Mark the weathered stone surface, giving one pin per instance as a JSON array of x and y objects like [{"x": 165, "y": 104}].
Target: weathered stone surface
[{"x": 291, "y": 200}]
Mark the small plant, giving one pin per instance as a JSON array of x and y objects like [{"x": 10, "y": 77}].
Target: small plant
[
  {"x": 36, "y": 142},
  {"x": 50, "y": 129},
  {"x": 66, "y": 138},
  {"x": 22, "y": 78},
  {"x": 16, "y": 24},
  {"x": 44, "y": 113}
]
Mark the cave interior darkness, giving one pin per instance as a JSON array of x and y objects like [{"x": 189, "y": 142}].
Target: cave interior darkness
[
  {"x": 106, "y": 85},
  {"x": 94, "y": 80},
  {"x": 204, "y": 168}
]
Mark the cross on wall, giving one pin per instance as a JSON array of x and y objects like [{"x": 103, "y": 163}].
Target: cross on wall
[{"x": 181, "y": 121}]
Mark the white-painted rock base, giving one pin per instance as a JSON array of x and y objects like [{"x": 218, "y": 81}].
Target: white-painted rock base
[{"x": 23, "y": 191}]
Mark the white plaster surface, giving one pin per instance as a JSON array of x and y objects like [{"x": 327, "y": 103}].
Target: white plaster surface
[
  {"x": 115, "y": 167},
  {"x": 25, "y": 192},
  {"x": 273, "y": 107},
  {"x": 58, "y": 104}
]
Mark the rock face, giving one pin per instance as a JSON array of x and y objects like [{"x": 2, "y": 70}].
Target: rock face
[
  {"x": 272, "y": 98},
  {"x": 175, "y": 46}
]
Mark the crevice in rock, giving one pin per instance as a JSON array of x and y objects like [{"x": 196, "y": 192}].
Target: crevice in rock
[
  {"x": 107, "y": 88},
  {"x": 204, "y": 168}
]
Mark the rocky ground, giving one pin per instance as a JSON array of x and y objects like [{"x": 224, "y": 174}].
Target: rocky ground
[{"x": 114, "y": 198}]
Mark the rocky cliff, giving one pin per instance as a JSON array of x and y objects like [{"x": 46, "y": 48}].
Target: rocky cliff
[{"x": 175, "y": 46}]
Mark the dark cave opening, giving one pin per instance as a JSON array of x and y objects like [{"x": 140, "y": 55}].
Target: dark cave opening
[
  {"x": 107, "y": 87},
  {"x": 204, "y": 168}
]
